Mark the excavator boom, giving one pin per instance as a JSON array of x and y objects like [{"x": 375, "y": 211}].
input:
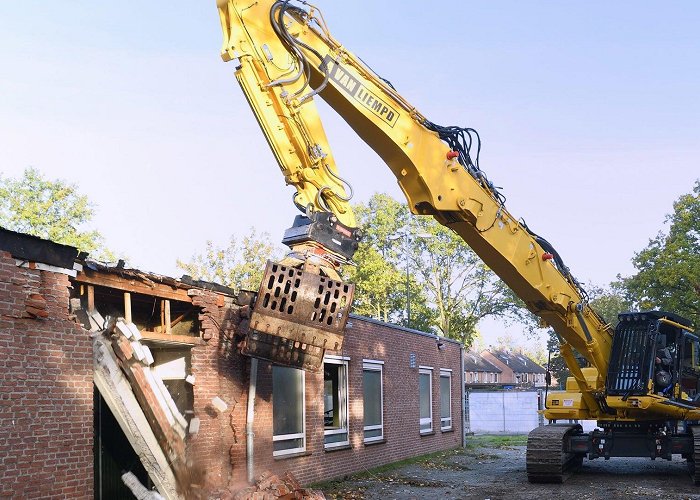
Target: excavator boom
[
  {"x": 285, "y": 57},
  {"x": 642, "y": 382}
]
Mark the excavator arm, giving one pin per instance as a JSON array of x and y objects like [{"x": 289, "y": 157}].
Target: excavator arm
[{"x": 285, "y": 57}]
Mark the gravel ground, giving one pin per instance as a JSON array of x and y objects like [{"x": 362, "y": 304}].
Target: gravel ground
[{"x": 494, "y": 468}]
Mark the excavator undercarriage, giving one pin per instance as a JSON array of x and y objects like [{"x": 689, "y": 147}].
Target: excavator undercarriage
[{"x": 650, "y": 406}]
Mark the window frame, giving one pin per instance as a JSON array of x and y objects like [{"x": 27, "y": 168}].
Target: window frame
[
  {"x": 376, "y": 366},
  {"x": 344, "y": 389},
  {"x": 299, "y": 435},
  {"x": 426, "y": 370},
  {"x": 446, "y": 373}
]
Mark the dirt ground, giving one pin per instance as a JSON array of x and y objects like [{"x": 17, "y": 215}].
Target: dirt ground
[{"x": 494, "y": 468}]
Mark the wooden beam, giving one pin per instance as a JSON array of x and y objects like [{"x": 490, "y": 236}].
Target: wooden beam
[
  {"x": 161, "y": 328},
  {"x": 131, "y": 285},
  {"x": 127, "y": 307},
  {"x": 168, "y": 327},
  {"x": 180, "y": 318},
  {"x": 90, "y": 298},
  {"x": 155, "y": 338}
]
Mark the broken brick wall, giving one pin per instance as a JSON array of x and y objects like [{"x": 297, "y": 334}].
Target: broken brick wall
[
  {"x": 219, "y": 446},
  {"x": 46, "y": 388},
  {"x": 221, "y": 371}
]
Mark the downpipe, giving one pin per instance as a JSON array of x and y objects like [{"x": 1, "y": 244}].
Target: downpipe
[{"x": 249, "y": 434}]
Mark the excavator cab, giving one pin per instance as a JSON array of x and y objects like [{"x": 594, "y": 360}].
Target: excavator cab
[{"x": 654, "y": 352}]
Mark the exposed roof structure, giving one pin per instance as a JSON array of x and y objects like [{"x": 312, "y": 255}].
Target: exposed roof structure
[
  {"x": 33, "y": 248},
  {"x": 474, "y": 362}
]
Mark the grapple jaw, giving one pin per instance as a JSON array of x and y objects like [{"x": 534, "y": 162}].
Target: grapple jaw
[{"x": 297, "y": 316}]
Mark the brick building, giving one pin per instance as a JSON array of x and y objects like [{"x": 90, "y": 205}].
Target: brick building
[
  {"x": 106, "y": 369},
  {"x": 478, "y": 371},
  {"x": 46, "y": 391},
  {"x": 516, "y": 368}
]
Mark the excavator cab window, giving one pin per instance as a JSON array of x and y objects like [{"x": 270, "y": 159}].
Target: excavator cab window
[
  {"x": 665, "y": 361},
  {"x": 690, "y": 368}
]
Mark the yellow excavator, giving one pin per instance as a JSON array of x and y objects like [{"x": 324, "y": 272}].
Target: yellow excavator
[{"x": 641, "y": 379}]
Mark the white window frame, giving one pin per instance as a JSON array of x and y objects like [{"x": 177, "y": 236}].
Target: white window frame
[
  {"x": 344, "y": 404},
  {"x": 426, "y": 370},
  {"x": 375, "y": 366},
  {"x": 301, "y": 435},
  {"x": 446, "y": 372}
]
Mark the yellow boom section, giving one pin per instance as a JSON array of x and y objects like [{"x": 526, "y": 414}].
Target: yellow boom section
[{"x": 432, "y": 180}]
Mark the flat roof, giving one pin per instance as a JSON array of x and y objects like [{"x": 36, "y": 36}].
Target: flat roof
[{"x": 403, "y": 328}]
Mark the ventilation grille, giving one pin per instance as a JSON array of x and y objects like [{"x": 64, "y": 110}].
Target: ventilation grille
[
  {"x": 315, "y": 300},
  {"x": 300, "y": 314},
  {"x": 629, "y": 368}
]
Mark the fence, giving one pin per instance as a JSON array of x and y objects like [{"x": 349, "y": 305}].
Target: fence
[{"x": 504, "y": 412}]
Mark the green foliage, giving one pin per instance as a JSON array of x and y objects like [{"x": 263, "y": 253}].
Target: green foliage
[
  {"x": 496, "y": 441},
  {"x": 380, "y": 282},
  {"x": 608, "y": 303},
  {"x": 668, "y": 269},
  {"x": 451, "y": 289},
  {"x": 53, "y": 210},
  {"x": 460, "y": 286},
  {"x": 239, "y": 265}
]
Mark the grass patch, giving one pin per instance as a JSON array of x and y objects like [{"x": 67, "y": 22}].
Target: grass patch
[
  {"x": 496, "y": 441},
  {"x": 437, "y": 461}
]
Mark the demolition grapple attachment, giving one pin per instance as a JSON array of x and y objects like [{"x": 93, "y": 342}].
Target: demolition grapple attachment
[{"x": 297, "y": 316}]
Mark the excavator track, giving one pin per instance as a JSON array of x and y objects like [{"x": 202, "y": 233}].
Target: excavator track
[
  {"x": 546, "y": 459},
  {"x": 692, "y": 462}
]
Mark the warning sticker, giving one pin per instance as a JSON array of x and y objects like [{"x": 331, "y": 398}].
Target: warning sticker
[{"x": 568, "y": 402}]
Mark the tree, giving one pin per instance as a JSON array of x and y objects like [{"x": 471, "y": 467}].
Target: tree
[
  {"x": 462, "y": 289},
  {"x": 668, "y": 269},
  {"x": 451, "y": 289},
  {"x": 53, "y": 210},
  {"x": 608, "y": 302},
  {"x": 240, "y": 265},
  {"x": 380, "y": 283}
]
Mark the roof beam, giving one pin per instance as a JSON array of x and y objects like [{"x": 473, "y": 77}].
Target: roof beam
[{"x": 90, "y": 277}]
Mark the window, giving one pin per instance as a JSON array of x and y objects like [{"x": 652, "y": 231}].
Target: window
[
  {"x": 288, "y": 429},
  {"x": 445, "y": 400},
  {"x": 335, "y": 401},
  {"x": 373, "y": 392},
  {"x": 425, "y": 377}
]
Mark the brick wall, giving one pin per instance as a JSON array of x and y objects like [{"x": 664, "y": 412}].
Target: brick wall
[
  {"x": 219, "y": 446},
  {"x": 216, "y": 443},
  {"x": 46, "y": 395}
]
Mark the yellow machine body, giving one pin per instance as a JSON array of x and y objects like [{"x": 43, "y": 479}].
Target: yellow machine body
[{"x": 281, "y": 81}]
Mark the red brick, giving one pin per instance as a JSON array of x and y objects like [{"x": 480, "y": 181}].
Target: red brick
[{"x": 46, "y": 446}]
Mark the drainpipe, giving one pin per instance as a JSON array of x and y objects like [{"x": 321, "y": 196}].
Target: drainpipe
[
  {"x": 462, "y": 392},
  {"x": 249, "y": 419}
]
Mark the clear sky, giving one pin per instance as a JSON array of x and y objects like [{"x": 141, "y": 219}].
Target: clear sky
[{"x": 589, "y": 115}]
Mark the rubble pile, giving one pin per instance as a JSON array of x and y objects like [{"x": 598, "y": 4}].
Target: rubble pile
[{"x": 271, "y": 486}]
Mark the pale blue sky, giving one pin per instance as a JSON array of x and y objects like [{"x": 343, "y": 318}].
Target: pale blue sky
[{"x": 588, "y": 112}]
